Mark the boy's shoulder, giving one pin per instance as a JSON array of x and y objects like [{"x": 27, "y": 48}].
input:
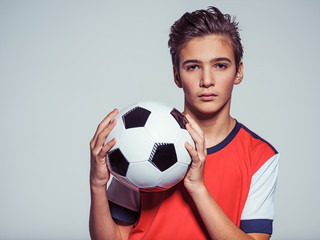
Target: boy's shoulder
[
  {"x": 254, "y": 139},
  {"x": 256, "y": 150},
  {"x": 243, "y": 139},
  {"x": 242, "y": 150}
]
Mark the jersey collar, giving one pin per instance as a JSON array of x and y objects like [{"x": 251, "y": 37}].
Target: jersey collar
[{"x": 226, "y": 141}]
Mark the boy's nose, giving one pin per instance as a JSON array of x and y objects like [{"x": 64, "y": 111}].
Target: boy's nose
[{"x": 207, "y": 79}]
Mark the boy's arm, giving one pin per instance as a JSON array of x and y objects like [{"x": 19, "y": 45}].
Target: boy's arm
[
  {"x": 216, "y": 221},
  {"x": 101, "y": 224}
]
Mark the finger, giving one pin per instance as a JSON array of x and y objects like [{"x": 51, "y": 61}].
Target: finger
[
  {"x": 198, "y": 134},
  {"x": 194, "y": 124},
  {"x": 192, "y": 151},
  {"x": 195, "y": 128},
  {"x": 106, "y": 148},
  {"x": 102, "y": 125},
  {"x": 197, "y": 138},
  {"x": 104, "y": 133},
  {"x": 193, "y": 133}
]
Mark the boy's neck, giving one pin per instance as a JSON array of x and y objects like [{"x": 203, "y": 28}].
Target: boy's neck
[{"x": 216, "y": 127}]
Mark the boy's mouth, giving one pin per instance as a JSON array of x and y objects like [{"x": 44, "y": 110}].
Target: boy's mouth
[{"x": 207, "y": 96}]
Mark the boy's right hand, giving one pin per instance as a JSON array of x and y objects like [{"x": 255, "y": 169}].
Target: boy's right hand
[{"x": 99, "y": 172}]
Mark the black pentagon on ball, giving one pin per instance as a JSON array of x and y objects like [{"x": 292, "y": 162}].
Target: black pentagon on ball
[
  {"x": 137, "y": 117},
  {"x": 117, "y": 162},
  {"x": 163, "y": 156}
]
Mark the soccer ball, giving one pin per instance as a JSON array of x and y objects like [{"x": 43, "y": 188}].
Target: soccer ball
[{"x": 149, "y": 154}]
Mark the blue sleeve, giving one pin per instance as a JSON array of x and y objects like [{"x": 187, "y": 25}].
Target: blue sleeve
[
  {"x": 123, "y": 214},
  {"x": 256, "y": 226},
  {"x": 124, "y": 203}
]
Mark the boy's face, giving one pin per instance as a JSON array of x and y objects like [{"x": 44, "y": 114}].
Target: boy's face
[{"x": 207, "y": 73}]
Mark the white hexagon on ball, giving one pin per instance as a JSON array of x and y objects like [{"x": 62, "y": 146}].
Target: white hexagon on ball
[
  {"x": 162, "y": 126},
  {"x": 173, "y": 175},
  {"x": 143, "y": 174},
  {"x": 136, "y": 144}
]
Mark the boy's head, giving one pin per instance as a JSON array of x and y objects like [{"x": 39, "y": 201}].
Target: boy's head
[{"x": 202, "y": 23}]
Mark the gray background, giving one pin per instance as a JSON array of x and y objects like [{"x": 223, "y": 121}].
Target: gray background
[{"x": 65, "y": 64}]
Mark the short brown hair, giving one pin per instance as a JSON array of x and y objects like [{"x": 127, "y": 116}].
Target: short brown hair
[{"x": 201, "y": 23}]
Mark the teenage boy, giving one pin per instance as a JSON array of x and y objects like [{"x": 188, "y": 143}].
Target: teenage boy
[{"x": 228, "y": 191}]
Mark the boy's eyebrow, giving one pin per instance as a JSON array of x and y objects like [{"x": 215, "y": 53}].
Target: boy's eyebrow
[
  {"x": 212, "y": 61},
  {"x": 221, "y": 59},
  {"x": 190, "y": 61}
]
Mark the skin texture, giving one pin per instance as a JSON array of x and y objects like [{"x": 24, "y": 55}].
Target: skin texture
[{"x": 207, "y": 74}]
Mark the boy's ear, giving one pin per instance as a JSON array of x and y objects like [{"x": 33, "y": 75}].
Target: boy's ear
[
  {"x": 176, "y": 77},
  {"x": 239, "y": 75}
]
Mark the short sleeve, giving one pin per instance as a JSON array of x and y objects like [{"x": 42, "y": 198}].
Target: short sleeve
[
  {"x": 124, "y": 202},
  {"x": 258, "y": 212}
]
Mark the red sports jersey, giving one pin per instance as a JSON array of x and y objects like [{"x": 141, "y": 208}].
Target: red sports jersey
[{"x": 240, "y": 173}]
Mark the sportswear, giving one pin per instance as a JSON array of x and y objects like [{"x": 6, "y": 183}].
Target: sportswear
[{"x": 240, "y": 173}]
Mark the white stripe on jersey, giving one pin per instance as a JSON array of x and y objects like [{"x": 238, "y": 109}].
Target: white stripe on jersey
[{"x": 259, "y": 204}]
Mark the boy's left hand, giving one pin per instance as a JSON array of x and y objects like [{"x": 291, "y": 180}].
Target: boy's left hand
[{"x": 194, "y": 178}]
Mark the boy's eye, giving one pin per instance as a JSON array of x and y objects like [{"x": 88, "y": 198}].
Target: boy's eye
[
  {"x": 221, "y": 65},
  {"x": 192, "y": 67}
]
